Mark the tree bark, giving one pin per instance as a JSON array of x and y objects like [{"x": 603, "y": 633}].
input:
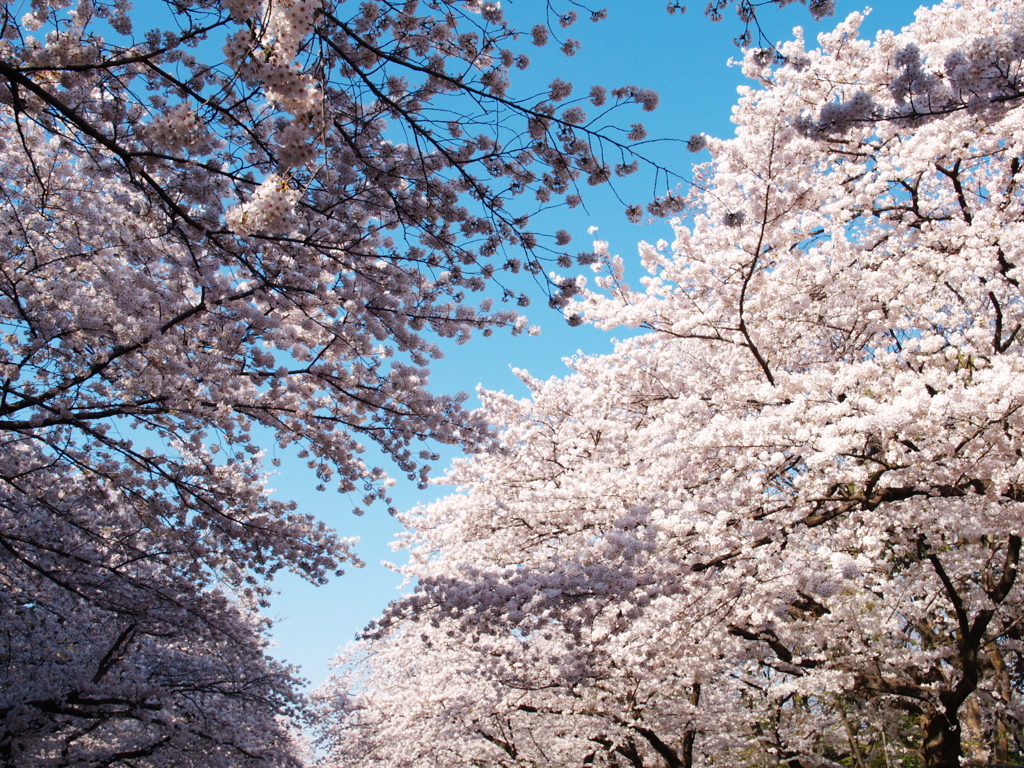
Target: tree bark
[
  {"x": 691, "y": 734},
  {"x": 942, "y": 740}
]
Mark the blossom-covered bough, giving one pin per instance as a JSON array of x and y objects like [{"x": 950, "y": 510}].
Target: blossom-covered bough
[{"x": 783, "y": 526}]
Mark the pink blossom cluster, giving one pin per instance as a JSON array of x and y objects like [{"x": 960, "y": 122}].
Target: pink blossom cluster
[
  {"x": 288, "y": 23},
  {"x": 177, "y": 128},
  {"x": 269, "y": 210}
]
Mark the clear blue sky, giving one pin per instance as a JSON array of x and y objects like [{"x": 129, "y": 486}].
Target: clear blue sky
[{"x": 684, "y": 58}]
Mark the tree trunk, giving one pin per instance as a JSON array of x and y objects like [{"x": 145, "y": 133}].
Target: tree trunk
[
  {"x": 1001, "y": 742},
  {"x": 691, "y": 734},
  {"x": 942, "y": 736},
  {"x": 974, "y": 731}
]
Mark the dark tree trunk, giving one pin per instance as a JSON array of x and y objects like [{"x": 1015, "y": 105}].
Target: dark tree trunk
[
  {"x": 691, "y": 734},
  {"x": 942, "y": 737}
]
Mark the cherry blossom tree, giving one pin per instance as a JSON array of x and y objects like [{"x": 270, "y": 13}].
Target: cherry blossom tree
[
  {"x": 207, "y": 254},
  {"x": 782, "y": 525},
  {"x": 232, "y": 228}
]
